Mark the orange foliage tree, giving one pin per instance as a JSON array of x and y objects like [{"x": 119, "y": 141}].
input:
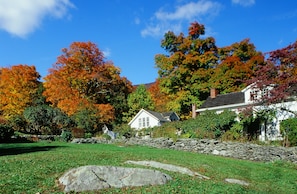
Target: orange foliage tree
[
  {"x": 82, "y": 79},
  {"x": 237, "y": 65},
  {"x": 18, "y": 87},
  {"x": 159, "y": 98}
]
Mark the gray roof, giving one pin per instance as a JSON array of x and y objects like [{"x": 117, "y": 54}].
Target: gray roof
[
  {"x": 160, "y": 116},
  {"x": 167, "y": 114},
  {"x": 224, "y": 99}
]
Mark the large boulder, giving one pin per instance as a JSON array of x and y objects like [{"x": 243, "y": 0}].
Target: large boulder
[{"x": 91, "y": 178}]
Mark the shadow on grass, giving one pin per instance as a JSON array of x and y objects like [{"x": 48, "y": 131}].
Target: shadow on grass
[{"x": 14, "y": 149}]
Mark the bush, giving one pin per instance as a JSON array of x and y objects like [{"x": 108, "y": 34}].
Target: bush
[
  {"x": 88, "y": 135},
  {"x": 66, "y": 135},
  {"x": 88, "y": 120},
  {"x": 209, "y": 124},
  {"x": 124, "y": 130},
  {"x": 6, "y": 132},
  {"x": 165, "y": 130},
  {"x": 78, "y": 133},
  {"x": 235, "y": 133},
  {"x": 289, "y": 131}
]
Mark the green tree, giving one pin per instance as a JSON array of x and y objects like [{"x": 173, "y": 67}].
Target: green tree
[
  {"x": 45, "y": 119},
  {"x": 137, "y": 100},
  {"x": 87, "y": 120},
  {"x": 185, "y": 71}
]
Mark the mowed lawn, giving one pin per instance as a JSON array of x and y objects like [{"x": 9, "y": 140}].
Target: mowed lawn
[{"x": 35, "y": 167}]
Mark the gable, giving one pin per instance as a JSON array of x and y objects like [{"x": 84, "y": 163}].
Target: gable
[
  {"x": 148, "y": 118},
  {"x": 140, "y": 114}
]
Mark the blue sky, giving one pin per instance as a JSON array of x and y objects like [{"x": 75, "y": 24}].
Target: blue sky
[{"x": 129, "y": 32}]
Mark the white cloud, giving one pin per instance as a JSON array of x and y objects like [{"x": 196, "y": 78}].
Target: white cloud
[
  {"x": 162, "y": 21},
  {"x": 22, "y": 17},
  {"x": 137, "y": 21},
  {"x": 189, "y": 11},
  {"x": 106, "y": 52},
  {"x": 244, "y": 2}
]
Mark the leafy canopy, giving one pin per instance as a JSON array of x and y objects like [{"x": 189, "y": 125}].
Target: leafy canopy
[
  {"x": 82, "y": 79},
  {"x": 139, "y": 99},
  {"x": 185, "y": 69},
  {"x": 18, "y": 87}
]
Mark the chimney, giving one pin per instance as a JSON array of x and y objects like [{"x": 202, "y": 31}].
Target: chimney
[{"x": 213, "y": 93}]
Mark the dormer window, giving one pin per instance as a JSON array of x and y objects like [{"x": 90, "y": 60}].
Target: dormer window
[
  {"x": 257, "y": 94},
  {"x": 254, "y": 95}
]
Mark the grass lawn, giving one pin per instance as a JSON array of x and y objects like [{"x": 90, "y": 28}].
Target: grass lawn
[{"x": 35, "y": 167}]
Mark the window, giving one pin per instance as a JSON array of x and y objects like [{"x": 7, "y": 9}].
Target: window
[
  {"x": 254, "y": 95},
  {"x": 139, "y": 122},
  {"x": 257, "y": 94},
  {"x": 147, "y": 121},
  {"x": 143, "y": 122},
  {"x": 265, "y": 92}
]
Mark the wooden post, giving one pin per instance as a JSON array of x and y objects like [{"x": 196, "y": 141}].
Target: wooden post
[{"x": 193, "y": 110}]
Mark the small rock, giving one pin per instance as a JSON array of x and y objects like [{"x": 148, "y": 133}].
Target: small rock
[
  {"x": 236, "y": 181},
  {"x": 215, "y": 152}
]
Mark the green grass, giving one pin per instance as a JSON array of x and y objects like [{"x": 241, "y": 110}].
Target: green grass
[{"x": 35, "y": 167}]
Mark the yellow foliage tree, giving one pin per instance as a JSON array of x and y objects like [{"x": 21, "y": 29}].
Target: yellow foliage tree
[{"x": 18, "y": 87}]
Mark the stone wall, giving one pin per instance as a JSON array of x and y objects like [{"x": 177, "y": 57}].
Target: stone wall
[{"x": 246, "y": 151}]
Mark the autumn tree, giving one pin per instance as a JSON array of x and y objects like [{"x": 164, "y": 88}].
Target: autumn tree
[
  {"x": 279, "y": 71},
  {"x": 159, "y": 98},
  {"x": 236, "y": 66},
  {"x": 82, "y": 79},
  {"x": 274, "y": 81},
  {"x": 139, "y": 99},
  {"x": 184, "y": 71},
  {"x": 18, "y": 87}
]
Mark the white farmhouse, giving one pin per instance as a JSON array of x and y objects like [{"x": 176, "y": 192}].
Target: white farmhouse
[
  {"x": 147, "y": 119},
  {"x": 248, "y": 98}
]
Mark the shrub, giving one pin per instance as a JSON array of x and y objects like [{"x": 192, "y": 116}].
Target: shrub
[
  {"x": 88, "y": 135},
  {"x": 46, "y": 120},
  {"x": 6, "y": 132},
  {"x": 18, "y": 123},
  {"x": 209, "y": 124},
  {"x": 289, "y": 130},
  {"x": 66, "y": 135},
  {"x": 124, "y": 130},
  {"x": 78, "y": 132},
  {"x": 165, "y": 130},
  {"x": 235, "y": 133},
  {"x": 88, "y": 120},
  {"x": 217, "y": 122}
]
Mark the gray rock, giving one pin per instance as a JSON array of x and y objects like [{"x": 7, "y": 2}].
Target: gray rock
[
  {"x": 168, "y": 167},
  {"x": 92, "y": 178},
  {"x": 236, "y": 181},
  {"x": 215, "y": 152},
  {"x": 246, "y": 151}
]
